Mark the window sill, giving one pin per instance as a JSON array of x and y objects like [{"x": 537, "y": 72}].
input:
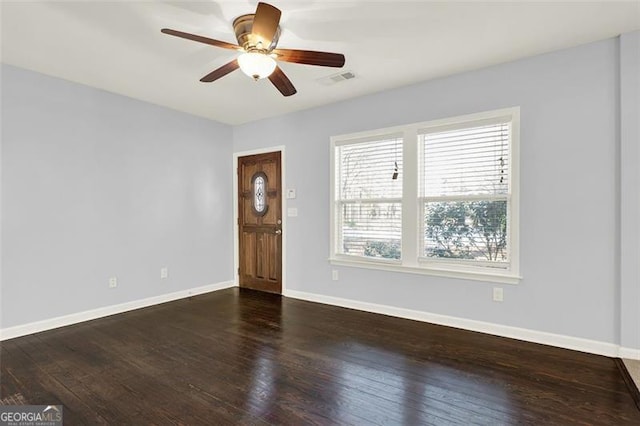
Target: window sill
[{"x": 486, "y": 276}]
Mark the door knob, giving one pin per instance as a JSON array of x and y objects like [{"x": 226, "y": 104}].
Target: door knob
[{"x": 278, "y": 231}]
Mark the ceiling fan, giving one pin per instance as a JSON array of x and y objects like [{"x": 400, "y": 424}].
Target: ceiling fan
[{"x": 257, "y": 36}]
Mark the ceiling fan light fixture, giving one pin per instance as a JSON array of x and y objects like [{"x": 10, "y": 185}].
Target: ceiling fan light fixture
[{"x": 256, "y": 65}]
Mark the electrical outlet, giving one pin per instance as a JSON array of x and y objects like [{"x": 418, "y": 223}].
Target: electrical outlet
[
  {"x": 334, "y": 275},
  {"x": 164, "y": 273},
  {"x": 498, "y": 294},
  {"x": 113, "y": 282}
]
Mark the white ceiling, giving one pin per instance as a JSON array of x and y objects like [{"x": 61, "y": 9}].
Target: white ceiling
[{"x": 117, "y": 45}]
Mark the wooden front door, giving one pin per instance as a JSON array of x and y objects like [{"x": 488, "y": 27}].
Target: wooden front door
[{"x": 260, "y": 222}]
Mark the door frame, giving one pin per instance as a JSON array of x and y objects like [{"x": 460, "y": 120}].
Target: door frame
[{"x": 236, "y": 237}]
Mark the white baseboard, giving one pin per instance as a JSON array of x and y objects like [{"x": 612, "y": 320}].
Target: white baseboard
[
  {"x": 38, "y": 326},
  {"x": 630, "y": 353},
  {"x": 558, "y": 340}
]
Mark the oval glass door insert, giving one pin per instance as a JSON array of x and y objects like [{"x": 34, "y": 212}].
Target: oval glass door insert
[{"x": 259, "y": 193}]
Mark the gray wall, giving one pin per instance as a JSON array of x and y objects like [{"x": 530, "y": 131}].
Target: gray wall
[
  {"x": 569, "y": 192},
  {"x": 97, "y": 185},
  {"x": 630, "y": 190}
]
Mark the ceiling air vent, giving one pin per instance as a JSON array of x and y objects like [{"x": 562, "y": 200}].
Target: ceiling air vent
[{"x": 336, "y": 78}]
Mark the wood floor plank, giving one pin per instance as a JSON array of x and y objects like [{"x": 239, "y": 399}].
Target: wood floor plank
[{"x": 244, "y": 357}]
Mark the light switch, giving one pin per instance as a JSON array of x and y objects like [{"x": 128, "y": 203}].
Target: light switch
[
  {"x": 292, "y": 212},
  {"x": 291, "y": 194}
]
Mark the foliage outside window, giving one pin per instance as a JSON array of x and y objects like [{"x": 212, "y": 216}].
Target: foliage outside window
[{"x": 434, "y": 198}]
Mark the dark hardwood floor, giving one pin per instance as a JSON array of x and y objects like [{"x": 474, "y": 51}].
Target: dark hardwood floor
[{"x": 243, "y": 357}]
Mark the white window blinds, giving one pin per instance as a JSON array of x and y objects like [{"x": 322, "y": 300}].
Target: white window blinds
[
  {"x": 465, "y": 191},
  {"x": 369, "y": 198},
  {"x": 466, "y": 161}
]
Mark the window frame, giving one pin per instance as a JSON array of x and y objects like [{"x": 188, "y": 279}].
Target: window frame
[{"x": 412, "y": 224}]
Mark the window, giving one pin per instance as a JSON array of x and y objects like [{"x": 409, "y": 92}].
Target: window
[
  {"x": 368, "y": 199},
  {"x": 437, "y": 198},
  {"x": 465, "y": 193}
]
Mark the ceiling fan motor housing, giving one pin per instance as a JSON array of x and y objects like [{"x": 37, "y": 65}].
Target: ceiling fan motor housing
[{"x": 243, "y": 26}]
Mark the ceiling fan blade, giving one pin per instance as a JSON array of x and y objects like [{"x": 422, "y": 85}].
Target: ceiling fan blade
[
  {"x": 310, "y": 57},
  {"x": 265, "y": 23},
  {"x": 282, "y": 82},
  {"x": 220, "y": 72},
  {"x": 201, "y": 39}
]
